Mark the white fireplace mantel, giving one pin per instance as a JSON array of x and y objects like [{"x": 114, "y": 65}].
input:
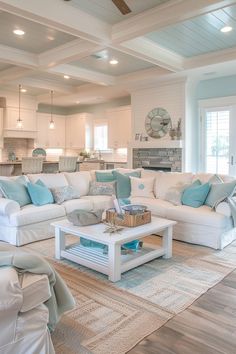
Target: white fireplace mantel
[{"x": 156, "y": 144}]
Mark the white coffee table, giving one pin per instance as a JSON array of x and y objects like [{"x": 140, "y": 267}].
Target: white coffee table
[{"x": 113, "y": 264}]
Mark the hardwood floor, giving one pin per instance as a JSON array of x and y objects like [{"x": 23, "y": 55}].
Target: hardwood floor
[{"x": 208, "y": 326}]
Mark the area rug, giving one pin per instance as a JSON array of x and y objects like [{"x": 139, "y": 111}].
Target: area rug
[{"x": 113, "y": 317}]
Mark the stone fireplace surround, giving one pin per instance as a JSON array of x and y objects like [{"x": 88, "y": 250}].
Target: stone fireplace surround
[{"x": 165, "y": 159}]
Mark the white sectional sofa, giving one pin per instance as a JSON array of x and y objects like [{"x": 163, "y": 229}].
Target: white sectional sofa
[{"x": 202, "y": 225}]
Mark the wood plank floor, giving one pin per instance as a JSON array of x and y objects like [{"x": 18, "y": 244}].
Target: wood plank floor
[{"x": 208, "y": 326}]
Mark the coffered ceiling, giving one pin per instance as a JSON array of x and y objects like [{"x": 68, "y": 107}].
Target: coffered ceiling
[{"x": 67, "y": 45}]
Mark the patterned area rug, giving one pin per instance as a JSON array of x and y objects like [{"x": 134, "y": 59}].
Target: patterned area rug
[{"x": 111, "y": 318}]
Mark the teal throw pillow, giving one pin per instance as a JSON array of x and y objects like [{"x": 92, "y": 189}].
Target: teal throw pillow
[
  {"x": 195, "y": 195},
  {"x": 104, "y": 177},
  {"x": 123, "y": 185},
  {"x": 219, "y": 192},
  {"x": 39, "y": 193},
  {"x": 16, "y": 190}
]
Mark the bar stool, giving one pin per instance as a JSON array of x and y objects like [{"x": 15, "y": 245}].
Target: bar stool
[
  {"x": 32, "y": 165},
  {"x": 67, "y": 163}
]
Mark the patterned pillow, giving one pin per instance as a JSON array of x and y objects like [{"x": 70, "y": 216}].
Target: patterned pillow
[
  {"x": 61, "y": 194},
  {"x": 102, "y": 188}
]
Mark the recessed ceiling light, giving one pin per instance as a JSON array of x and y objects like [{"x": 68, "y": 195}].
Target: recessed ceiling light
[
  {"x": 19, "y": 32},
  {"x": 23, "y": 90},
  {"x": 66, "y": 77},
  {"x": 226, "y": 29},
  {"x": 113, "y": 61},
  {"x": 77, "y": 102},
  {"x": 50, "y": 38}
]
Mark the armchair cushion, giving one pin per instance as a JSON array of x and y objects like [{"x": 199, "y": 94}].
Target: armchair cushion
[{"x": 35, "y": 289}]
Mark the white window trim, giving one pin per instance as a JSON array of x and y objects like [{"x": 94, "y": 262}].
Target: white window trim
[
  {"x": 221, "y": 104},
  {"x": 98, "y": 123}
]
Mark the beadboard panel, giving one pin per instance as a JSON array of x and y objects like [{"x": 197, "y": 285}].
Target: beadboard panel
[{"x": 170, "y": 96}]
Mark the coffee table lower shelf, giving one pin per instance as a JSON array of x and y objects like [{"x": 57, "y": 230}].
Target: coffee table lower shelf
[
  {"x": 114, "y": 263},
  {"x": 95, "y": 259}
]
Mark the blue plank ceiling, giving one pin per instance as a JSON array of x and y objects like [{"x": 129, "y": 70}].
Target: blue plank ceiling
[{"x": 199, "y": 35}]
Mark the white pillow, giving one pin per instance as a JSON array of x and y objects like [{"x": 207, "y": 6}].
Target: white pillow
[
  {"x": 169, "y": 180},
  {"x": 142, "y": 187},
  {"x": 154, "y": 174},
  {"x": 79, "y": 180}
]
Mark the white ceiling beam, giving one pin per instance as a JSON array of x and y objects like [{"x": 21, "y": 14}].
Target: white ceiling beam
[
  {"x": 83, "y": 74},
  {"x": 164, "y": 15},
  {"x": 66, "y": 53},
  {"x": 45, "y": 84},
  {"x": 13, "y": 74},
  {"x": 18, "y": 57},
  {"x": 218, "y": 57},
  {"x": 147, "y": 50},
  {"x": 61, "y": 16}
]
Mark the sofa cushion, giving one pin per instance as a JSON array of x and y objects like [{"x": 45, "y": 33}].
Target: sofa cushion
[
  {"x": 205, "y": 177},
  {"x": 199, "y": 216},
  {"x": 79, "y": 180},
  {"x": 60, "y": 194},
  {"x": 158, "y": 207},
  {"x": 16, "y": 190},
  {"x": 31, "y": 214},
  {"x": 51, "y": 180},
  {"x": 123, "y": 185},
  {"x": 39, "y": 193},
  {"x": 196, "y": 194},
  {"x": 102, "y": 188},
  {"x": 71, "y": 205},
  {"x": 167, "y": 180},
  {"x": 142, "y": 187},
  {"x": 104, "y": 176},
  {"x": 219, "y": 192},
  {"x": 100, "y": 201},
  {"x": 35, "y": 289}
]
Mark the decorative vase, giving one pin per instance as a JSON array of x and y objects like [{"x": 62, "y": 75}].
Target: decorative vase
[{"x": 172, "y": 133}]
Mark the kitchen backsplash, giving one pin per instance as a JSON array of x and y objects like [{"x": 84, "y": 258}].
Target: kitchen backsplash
[{"x": 21, "y": 147}]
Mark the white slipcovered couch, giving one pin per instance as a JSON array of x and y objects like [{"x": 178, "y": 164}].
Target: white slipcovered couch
[{"x": 202, "y": 225}]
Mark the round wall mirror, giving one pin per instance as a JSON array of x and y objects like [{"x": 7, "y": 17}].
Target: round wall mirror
[{"x": 157, "y": 123}]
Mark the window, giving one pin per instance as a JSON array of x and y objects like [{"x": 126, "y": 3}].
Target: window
[
  {"x": 216, "y": 130},
  {"x": 100, "y": 136}
]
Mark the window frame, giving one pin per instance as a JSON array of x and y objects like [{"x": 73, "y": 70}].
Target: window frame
[{"x": 97, "y": 123}]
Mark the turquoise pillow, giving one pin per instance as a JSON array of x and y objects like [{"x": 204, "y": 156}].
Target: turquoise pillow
[
  {"x": 195, "y": 195},
  {"x": 104, "y": 177},
  {"x": 219, "y": 192},
  {"x": 16, "y": 190},
  {"x": 123, "y": 185},
  {"x": 39, "y": 193}
]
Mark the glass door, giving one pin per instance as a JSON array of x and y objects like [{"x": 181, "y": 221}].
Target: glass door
[{"x": 219, "y": 140}]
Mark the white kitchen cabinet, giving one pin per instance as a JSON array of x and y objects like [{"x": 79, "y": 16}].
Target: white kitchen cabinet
[
  {"x": 28, "y": 116},
  {"x": 79, "y": 131},
  {"x": 119, "y": 127},
  {"x": 50, "y": 138}
]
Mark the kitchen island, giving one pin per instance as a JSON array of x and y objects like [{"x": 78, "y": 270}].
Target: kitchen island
[{"x": 14, "y": 168}]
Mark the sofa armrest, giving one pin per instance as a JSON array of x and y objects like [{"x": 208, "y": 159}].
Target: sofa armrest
[
  {"x": 224, "y": 209},
  {"x": 11, "y": 296},
  {"x": 8, "y": 206}
]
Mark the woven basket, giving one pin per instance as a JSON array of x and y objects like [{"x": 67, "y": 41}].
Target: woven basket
[{"x": 128, "y": 219}]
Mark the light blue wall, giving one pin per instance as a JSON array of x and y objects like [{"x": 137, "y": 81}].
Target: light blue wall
[
  {"x": 206, "y": 89},
  {"x": 220, "y": 87}
]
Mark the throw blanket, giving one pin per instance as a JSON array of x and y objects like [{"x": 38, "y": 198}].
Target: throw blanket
[{"x": 61, "y": 299}]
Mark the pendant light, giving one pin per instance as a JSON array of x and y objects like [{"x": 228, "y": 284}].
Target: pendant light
[
  {"x": 19, "y": 122},
  {"x": 51, "y": 123}
]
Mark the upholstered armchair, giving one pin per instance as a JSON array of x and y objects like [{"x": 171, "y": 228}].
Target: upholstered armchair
[{"x": 23, "y": 316}]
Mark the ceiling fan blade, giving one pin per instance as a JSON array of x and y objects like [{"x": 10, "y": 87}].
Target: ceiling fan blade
[{"x": 122, "y": 6}]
